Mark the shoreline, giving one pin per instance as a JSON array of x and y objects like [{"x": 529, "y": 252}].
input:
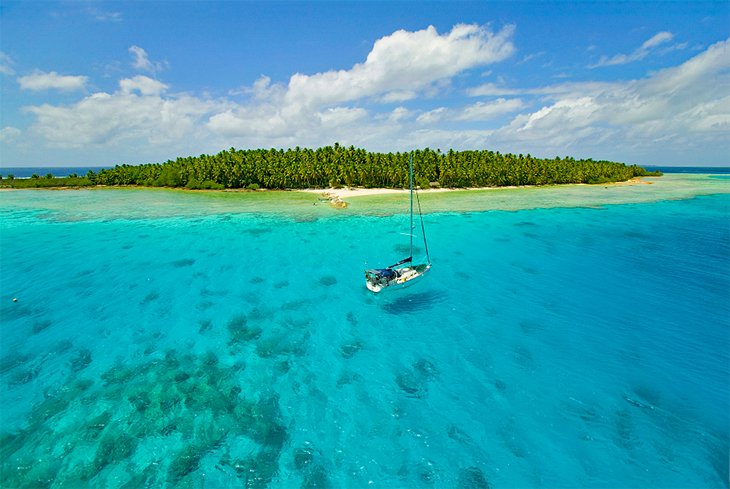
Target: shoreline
[
  {"x": 331, "y": 192},
  {"x": 340, "y": 194},
  {"x": 304, "y": 204}
]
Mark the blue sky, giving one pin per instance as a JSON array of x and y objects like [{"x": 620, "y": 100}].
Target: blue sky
[{"x": 104, "y": 83}]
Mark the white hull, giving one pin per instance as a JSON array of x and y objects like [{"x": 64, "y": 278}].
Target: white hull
[
  {"x": 373, "y": 287},
  {"x": 406, "y": 276}
]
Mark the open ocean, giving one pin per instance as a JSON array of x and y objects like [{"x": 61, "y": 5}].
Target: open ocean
[
  {"x": 553, "y": 347},
  {"x": 56, "y": 171}
]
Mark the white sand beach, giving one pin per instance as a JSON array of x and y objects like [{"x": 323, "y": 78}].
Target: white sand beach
[{"x": 348, "y": 192}]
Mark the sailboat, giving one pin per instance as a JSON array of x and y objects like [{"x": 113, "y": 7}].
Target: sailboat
[{"x": 405, "y": 272}]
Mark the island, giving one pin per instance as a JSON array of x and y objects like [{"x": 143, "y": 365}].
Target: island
[{"x": 338, "y": 166}]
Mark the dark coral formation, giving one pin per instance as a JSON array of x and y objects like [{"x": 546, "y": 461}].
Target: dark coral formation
[
  {"x": 414, "y": 380},
  {"x": 472, "y": 478},
  {"x": 191, "y": 405}
]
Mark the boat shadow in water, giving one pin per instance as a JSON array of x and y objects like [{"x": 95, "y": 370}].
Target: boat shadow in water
[{"x": 413, "y": 303}]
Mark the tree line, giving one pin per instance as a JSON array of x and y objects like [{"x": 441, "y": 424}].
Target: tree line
[{"x": 336, "y": 166}]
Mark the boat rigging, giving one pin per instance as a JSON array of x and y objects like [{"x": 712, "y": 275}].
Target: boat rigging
[{"x": 405, "y": 271}]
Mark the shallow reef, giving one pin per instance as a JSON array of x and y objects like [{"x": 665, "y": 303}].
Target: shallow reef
[
  {"x": 415, "y": 379},
  {"x": 151, "y": 424}
]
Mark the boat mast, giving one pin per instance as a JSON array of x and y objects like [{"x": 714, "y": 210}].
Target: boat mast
[{"x": 411, "y": 185}]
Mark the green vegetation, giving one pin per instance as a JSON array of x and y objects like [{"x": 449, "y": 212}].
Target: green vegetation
[
  {"x": 335, "y": 166},
  {"x": 47, "y": 182}
]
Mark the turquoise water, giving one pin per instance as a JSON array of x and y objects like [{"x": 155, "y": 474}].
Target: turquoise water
[{"x": 563, "y": 347}]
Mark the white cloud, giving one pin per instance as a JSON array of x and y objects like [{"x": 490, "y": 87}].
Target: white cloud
[
  {"x": 40, "y": 80},
  {"x": 252, "y": 122},
  {"x": 485, "y": 111},
  {"x": 398, "y": 96},
  {"x": 490, "y": 89},
  {"x": 399, "y": 114},
  {"x": 142, "y": 84},
  {"x": 558, "y": 125},
  {"x": 6, "y": 64},
  {"x": 640, "y": 53},
  {"x": 478, "y": 112},
  {"x": 338, "y": 116},
  {"x": 673, "y": 110},
  {"x": 399, "y": 67},
  {"x": 142, "y": 61},
  {"x": 530, "y": 57},
  {"x": 684, "y": 107},
  {"x": 402, "y": 64},
  {"x": 8, "y": 134},
  {"x": 656, "y": 40},
  {"x": 446, "y": 139},
  {"x": 432, "y": 116},
  {"x": 104, "y": 15},
  {"x": 137, "y": 112}
]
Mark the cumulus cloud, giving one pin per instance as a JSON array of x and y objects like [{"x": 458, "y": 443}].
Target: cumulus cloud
[
  {"x": 39, "y": 81},
  {"x": 640, "y": 53},
  {"x": 337, "y": 116},
  {"x": 251, "y": 122},
  {"x": 262, "y": 89},
  {"x": 684, "y": 106},
  {"x": 309, "y": 109},
  {"x": 142, "y": 84},
  {"x": 399, "y": 67},
  {"x": 8, "y": 134},
  {"x": 137, "y": 111},
  {"x": 369, "y": 105},
  {"x": 559, "y": 125},
  {"x": 404, "y": 63},
  {"x": 142, "y": 61}
]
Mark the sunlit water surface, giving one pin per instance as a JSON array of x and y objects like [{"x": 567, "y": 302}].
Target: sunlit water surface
[{"x": 163, "y": 338}]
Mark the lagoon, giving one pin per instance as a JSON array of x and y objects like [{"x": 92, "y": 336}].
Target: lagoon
[{"x": 566, "y": 336}]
